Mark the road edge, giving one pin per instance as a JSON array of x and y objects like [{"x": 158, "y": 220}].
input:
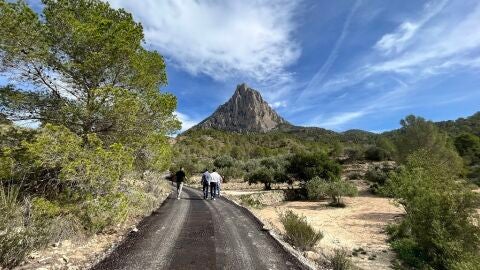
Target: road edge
[
  {"x": 297, "y": 255},
  {"x": 125, "y": 236}
]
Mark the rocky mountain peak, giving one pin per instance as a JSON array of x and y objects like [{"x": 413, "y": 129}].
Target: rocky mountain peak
[{"x": 245, "y": 111}]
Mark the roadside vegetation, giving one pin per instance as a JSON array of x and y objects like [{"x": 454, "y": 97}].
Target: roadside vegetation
[
  {"x": 90, "y": 92},
  {"x": 298, "y": 232}
]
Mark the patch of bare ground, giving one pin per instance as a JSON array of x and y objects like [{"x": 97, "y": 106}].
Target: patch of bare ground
[
  {"x": 83, "y": 252},
  {"x": 359, "y": 227}
]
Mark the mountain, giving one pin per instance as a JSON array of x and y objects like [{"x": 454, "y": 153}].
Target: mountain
[{"x": 245, "y": 111}]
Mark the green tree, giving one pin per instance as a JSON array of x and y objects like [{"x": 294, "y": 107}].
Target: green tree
[
  {"x": 89, "y": 73},
  {"x": 308, "y": 165},
  {"x": 440, "y": 228},
  {"x": 417, "y": 133}
]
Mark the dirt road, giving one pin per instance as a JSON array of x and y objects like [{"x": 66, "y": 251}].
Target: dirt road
[{"x": 193, "y": 233}]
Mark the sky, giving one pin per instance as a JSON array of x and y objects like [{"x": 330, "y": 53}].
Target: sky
[{"x": 346, "y": 64}]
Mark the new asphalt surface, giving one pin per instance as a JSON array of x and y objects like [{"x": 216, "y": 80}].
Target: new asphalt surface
[{"x": 193, "y": 233}]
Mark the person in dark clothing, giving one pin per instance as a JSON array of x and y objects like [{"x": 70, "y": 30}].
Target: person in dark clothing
[
  {"x": 180, "y": 177},
  {"x": 205, "y": 183}
]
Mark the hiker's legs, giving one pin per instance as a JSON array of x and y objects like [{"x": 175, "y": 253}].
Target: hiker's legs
[
  {"x": 179, "y": 189},
  {"x": 213, "y": 189},
  {"x": 205, "y": 191},
  {"x": 218, "y": 190}
]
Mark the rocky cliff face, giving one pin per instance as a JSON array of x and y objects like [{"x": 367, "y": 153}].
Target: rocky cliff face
[{"x": 245, "y": 111}]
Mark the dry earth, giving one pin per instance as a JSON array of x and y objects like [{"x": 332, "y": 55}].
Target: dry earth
[{"x": 360, "y": 225}]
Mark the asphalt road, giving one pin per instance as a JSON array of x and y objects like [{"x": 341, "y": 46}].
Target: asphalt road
[{"x": 192, "y": 233}]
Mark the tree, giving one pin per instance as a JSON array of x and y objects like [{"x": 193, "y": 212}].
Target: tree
[
  {"x": 468, "y": 146},
  {"x": 417, "y": 134},
  {"x": 308, "y": 165},
  {"x": 88, "y": 72},
  {"x": 440, "y": 228},
  {"x": 336, "y": 189}
]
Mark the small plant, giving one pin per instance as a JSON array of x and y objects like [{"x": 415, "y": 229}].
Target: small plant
[
  {"x": 298, "y": 232},
  {"x": 340, "y": 261},
  {"x": 247, "y": 200}
]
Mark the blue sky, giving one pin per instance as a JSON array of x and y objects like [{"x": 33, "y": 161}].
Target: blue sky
[{"x": 335, "y": 64}]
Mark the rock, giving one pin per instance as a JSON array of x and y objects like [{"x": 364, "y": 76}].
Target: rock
[
  {"x": 311, "y": 255},
  {"x": 134, "y": 229},
  {"x": 65, "y": 259},
  {"x": 66, "y": 243},
  {"x": 245, "y": 111},
  {"x": 34, "y": 255},
  {"x": 56, "y": 244}
]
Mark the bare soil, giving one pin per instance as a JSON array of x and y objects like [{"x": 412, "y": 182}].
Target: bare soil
[{"x": 359, "y": 225}]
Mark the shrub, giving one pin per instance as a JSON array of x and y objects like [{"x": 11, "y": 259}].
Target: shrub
[
  {"x": 316, "y": 188},
  {"x": 250, "y": 202},
  {"x": 298, "y": 232},
  {"x": 340, "y": 261},
  {"x": 21, "y": 228},
  {"x": 308, "y": 165},
  {"x": 354, "y": 154},
  {"x": 230, "y": 173},
  {"x": 376, "y": 153},
  {"x": 441, "y": 222},
  {"x": 337, "y": 189},
  {"x": 224, "y": 161},
  {"x": 100, "y": 212}
]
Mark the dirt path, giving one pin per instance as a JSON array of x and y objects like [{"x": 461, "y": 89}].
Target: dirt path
[{"x": 193, "y": 233}]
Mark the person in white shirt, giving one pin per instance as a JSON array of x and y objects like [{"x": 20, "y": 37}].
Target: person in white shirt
[{"x": 215, "y": 179}]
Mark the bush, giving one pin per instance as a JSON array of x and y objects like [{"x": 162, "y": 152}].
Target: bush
[
  {"x": 230, "y": 173},
  {"x": 298, "y": 232},
  {"x": 337, "y": 189},
  {"x": 340, "y": 261},
  {"x": 354, "y": 154},
  {"x": 441, "y": 223},
  {"x": 308, "y": 165},
  {"x": 376, "y": 153},
  {"x": 104, "y": 211},
  {"x": 316, "y": 188},
  {"x": 21, "y": 228},
  {"x": 224, "y": 161},
  {"x": 247, "y": 200}
]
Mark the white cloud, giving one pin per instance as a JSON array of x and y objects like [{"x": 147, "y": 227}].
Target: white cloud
[
  {"x": 187, "y": 121},
  {"x": 278, "y": 104},
  {"x": 339, "y": 119},
  {"x": 396, "y": 41},
  {"x": 442, "y": 40},
  {"x": 221, "y": 39}
]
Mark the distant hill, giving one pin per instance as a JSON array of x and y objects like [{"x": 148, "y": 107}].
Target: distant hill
[
  {"x": 245, "y": 111},
  {"x": 469, "y": 124}
]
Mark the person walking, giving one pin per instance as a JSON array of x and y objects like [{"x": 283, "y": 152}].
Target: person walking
[
  {"x": 180, "y": 177},
  {"x": 219, "y": 185},
  {"x": 205, "y": 183},
  {"x": 215, "y": 178}
]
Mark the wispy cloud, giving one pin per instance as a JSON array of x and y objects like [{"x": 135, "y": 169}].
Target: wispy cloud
[
  {"x": 322, "y": 72},
  {"x": 441, "y": 40},
  {"x": 187, "y": 121},
  {"x": 250, "y": 39},
  {"x": 396, "y": 41}
]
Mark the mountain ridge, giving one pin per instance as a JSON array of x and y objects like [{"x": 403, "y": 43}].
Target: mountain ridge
[{"x": 245, "y": 111}]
